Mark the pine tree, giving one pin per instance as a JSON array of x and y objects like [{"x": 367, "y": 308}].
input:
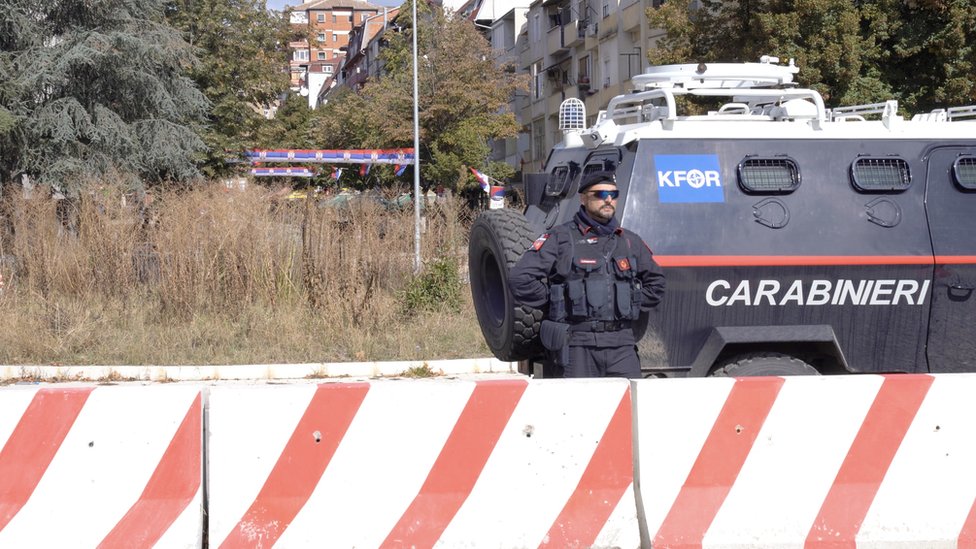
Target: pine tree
[{"x": 89, "y": 88}]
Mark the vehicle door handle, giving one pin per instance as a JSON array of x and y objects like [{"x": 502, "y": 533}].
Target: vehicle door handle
[{"x": 958, "y": 292}]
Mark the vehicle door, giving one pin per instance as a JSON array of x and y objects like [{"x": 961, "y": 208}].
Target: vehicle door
[{"x": 951, "y": 211}]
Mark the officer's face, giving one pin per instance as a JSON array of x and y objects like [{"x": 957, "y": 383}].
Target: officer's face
[{"x": 599, "y": 208}]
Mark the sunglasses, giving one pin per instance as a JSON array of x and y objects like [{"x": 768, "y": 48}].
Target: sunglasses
[{"x": 603, "y": 195}]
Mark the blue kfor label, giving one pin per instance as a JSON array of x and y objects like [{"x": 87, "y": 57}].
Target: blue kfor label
[{"x": 688, "y": 178}]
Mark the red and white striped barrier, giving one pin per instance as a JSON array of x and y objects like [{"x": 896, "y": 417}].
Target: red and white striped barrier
[
  {"x": 816, "y": 462},
  {"x": 101, "y": 467},
  {"x": 415, "y": 464}
]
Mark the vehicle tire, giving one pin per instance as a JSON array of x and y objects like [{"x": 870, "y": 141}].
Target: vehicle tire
[
  {"x": 764, "y": 364},
  {"x": 498, "y": 239}
]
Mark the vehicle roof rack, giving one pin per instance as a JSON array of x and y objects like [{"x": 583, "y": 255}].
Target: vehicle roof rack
[{"x": 719, "y": 75}]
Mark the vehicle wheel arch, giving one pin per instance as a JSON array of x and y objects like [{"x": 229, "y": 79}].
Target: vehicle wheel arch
[{"x": 816, "y": 345}]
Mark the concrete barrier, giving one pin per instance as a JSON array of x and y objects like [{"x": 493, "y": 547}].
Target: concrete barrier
[
  {"x": 865, "y": 461},
  {"x": 509, "y": 463},
  {"x": 86, "y": 466}
]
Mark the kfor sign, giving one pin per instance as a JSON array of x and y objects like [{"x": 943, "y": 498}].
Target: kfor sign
[{"x": 688, "y": 178}]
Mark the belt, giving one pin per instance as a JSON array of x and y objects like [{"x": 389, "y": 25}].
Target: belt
[{"x": 601, "y": 326}]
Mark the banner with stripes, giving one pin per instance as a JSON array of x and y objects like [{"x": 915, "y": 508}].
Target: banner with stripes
[{"x": 345, "y": 156}]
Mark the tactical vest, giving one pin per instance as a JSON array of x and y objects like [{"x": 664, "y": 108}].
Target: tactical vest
[{"x": 601, "y": 284}]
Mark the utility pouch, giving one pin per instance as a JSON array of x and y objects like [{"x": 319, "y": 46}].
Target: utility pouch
[
  {"x": 624, "y": 299},
  {"x": 555, "y": 337},
  {"x": 599, "y": 298},
  {"x": 576, "y": 294},
  {"x": 557, "y": 302}
]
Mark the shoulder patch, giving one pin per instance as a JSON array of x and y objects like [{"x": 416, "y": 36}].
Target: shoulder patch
[{"x": 540, "y": 241}]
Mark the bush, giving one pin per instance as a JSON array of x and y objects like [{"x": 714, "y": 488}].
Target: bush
[{"x": 437, "y": 288}]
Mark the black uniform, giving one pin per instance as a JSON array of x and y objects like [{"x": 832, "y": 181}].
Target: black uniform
[{"x": 595, "y": 279}]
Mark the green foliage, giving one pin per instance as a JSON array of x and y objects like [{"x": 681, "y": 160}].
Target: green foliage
[
  {"x": 242, "y": 48},
  {"x": 89, "y": 88},
  {"x": 419, "y": 372},
  {"x": 437, "y": 288},
  {"x": 922, "y": 53},
  {"x": 463, "y": 100}
]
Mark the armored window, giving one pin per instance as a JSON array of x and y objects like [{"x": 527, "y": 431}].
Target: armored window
[
  {"x": 769, "y": 175},
  {"x": 964, "y": 172},
  {"x": 559, "y": 179},
  {"x": 881, "y": 174}
]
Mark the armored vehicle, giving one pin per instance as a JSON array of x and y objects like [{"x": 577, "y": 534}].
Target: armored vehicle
[{"x": 795, "y": 239}]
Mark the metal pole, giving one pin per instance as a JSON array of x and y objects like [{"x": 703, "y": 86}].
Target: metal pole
[{"x": 416, "y": 150}]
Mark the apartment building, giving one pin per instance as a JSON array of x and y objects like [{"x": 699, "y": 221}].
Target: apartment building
[
  {"x": 326, "y": 24},
  {"x": 589, "y": 49},
  {"x": 362, "y": 60}
]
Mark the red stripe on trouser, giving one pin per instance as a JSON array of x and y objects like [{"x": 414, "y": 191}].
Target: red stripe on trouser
[
  {"x": 967, "y": 538},
  {"x": 33, "y": 443},
  {"x": 867, "y": 461},
  {"x": 459, "y": 464},
  {"x": 169, "y": 490},
  {"x": 300, "y": 466},
  {"x": 605, "y": 480},
  {"x": 719, "y": 462}
]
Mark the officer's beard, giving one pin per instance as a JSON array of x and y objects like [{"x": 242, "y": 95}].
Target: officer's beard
[{"x": 603, "y": 214}]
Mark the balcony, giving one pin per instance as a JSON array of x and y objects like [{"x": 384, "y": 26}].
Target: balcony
[
  {"x": 555, "y": 42},
  {"x": 573, "y": 34},
  {"x": 632, "y": 16}
]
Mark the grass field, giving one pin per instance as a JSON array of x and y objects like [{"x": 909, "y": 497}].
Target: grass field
[{"x": 213, "y": 276}]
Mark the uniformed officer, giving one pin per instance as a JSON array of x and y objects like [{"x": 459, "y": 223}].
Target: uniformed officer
[{"x": 596, "y": 277}]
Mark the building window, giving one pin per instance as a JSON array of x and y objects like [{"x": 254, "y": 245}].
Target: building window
[
  {"x": 538, "y": 139},
  {"x": 537, "y": 75},
  {"x": 335, "y": 37},
  {"x": 606, "y": 8},
  {"x": 335, "y": 18},
  {"x": 327, "y": 69},
  {"x": 321, "y": 37},
  {"x": 320, "y": 56},
  {"x": 320, "y": 18},
  {"x": 335, "y": 54},
  {"x": 300, "y": 55}
]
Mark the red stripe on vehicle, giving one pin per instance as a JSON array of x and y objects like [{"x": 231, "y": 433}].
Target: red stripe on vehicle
[
  {"x": 794, "y": 260},
  {"x": 606, "y": 479},
  {"x": 955, "y": 259},
  {"x": 867, "y": 461},
  {"x": 719, "y": 462},
  {"x": 967, "y": 538},
  {"x": 33, "y": 443},
  {"x": 300, "y": 466},
  {"x": 459, "y": 464},
  {"x": 169, "y": 490}
]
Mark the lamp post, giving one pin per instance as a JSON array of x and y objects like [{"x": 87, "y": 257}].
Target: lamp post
[{"x": 416, "y": 150}]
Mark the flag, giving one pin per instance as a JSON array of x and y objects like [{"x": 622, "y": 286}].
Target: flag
[
  {"x": 398, "y": 169},
  {"x": 364, "y": 169},
  {"x": 482, "y": 180},
  {"x": 336, "y": 173}
]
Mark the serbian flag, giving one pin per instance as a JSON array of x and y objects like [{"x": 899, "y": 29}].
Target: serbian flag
[
  {"x": 482, "y": 180},
  {"x": 398, "y": 169},
  {"x": 336, "y": 173},
  {"x": 364, "y": 169}
]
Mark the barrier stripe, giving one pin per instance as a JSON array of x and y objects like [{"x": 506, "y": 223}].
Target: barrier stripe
[
  {"x": 170, "y": 489},
  {"x": 458, "y": 465},
  {"x": 300, "y": 466},
  {"x": 606, "y": 479},
  {"x": 33, "y": 443},
  {"x": 867, "y": 461},
  {"x": 967, "y": 538},
  {"x": 719, "y": 462}
]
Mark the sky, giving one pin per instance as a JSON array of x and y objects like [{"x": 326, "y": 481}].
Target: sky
[{"x": 281, "y": 4}]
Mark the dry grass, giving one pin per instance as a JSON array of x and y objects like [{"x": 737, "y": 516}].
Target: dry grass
[{"x": 211, "y": 276}]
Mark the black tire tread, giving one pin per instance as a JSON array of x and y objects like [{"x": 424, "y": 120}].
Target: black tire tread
[{"x": 727, "y": 369}]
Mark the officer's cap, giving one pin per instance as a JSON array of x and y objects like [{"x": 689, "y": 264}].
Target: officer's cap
[{"x": 594, "y": 178}]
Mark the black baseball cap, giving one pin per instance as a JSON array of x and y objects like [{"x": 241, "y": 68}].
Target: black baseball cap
[{"x": 593, "y": 178}]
